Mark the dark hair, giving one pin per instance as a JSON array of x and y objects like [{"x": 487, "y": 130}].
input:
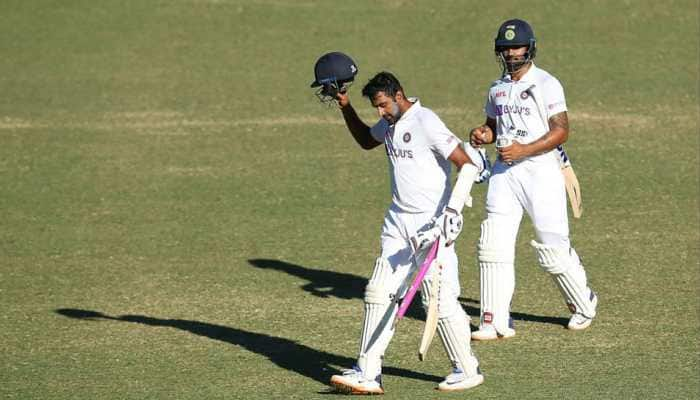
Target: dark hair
[{"x": 382, "y": 82}]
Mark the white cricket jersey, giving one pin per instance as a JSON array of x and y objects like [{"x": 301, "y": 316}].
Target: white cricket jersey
[
  {"x": 417, "y": 146},
  {"x": 522, "y": 108}
]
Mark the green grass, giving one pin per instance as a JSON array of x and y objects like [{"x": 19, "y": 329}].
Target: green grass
[{"x": 181, "y": 219}]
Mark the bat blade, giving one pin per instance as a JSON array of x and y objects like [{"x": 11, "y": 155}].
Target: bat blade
[
  {"x": 573, "y": 190},
  {"x": 431, "y": 319}
]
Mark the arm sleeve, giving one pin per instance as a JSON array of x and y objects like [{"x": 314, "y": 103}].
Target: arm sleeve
[
  {"x": 489, "y": 107},
  {"x": 554, "y": 100},
  {"x": 379, "y": 130}
]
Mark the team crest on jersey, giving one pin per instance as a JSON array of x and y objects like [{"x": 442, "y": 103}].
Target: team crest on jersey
[
  {"x": 407, "y": 137},
  {"x": 524, "y": 95}
]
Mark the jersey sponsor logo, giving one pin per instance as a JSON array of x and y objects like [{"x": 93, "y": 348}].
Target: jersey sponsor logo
[
  {"x": 502, "y": 109},
  {"x": 501, "y": 93},
  {"x": 407, "y": 137},
  {"x": 399, "y": 153},
  {"x": 553, "y": 105}
]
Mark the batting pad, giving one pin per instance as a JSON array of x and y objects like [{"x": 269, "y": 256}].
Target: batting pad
[
  {"x": 455, "y": 336},
  {"x": 379, "y": 314},
  {"x": 441, "y": 293},
  {"x": 497, "y": 272},
  {"x": 568, "y": 274}
]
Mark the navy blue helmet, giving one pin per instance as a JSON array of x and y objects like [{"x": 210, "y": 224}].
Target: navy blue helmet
[
  {"x": 515, "y": 33},
  {"x": 334, "y": 73}
]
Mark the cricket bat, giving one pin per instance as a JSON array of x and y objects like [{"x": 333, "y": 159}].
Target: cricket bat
[
  {"x": 431, "y": 319},
  {"x": 573, "y": 189}
]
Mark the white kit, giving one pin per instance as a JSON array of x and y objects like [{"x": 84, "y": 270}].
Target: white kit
[
  {"x": 534, "y": 185},
  {"x": 417, "y": 147}
]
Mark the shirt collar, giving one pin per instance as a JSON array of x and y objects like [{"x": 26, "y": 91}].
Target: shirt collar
[
  {"x": 530, "y": 74},
  {"x": 413, "y": 109},
  {"x": 528, "y": 77}
]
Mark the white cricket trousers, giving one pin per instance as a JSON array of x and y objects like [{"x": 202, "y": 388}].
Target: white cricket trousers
[
  {"x": 392, "y": 277},
  {"x": 535, "y": 186}
]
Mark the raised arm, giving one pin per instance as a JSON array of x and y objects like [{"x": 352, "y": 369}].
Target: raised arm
[{"x": 359, "y": 130}]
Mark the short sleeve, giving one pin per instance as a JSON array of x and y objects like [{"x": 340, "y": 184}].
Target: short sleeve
[
  {"x": 554, "y": 100},
  {"x": 489, "y": 108},
  {"x": 440, "y": 138}
]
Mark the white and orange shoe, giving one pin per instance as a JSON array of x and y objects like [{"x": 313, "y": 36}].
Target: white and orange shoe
[{"x": 352, "y": 381}]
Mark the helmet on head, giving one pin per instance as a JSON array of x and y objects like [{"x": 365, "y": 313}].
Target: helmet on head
[
  {"x": 334, "y": 73},
  {"x": 515, "y": 33}
]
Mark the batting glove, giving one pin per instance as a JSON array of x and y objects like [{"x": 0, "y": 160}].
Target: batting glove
[
  {"x": 424, "y": 239},
  {"x": 485, "y": 172},
  {"x": 450, "y": 222}
]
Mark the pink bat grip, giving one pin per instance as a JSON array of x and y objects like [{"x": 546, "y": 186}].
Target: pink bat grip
[{"x": 417, "y": 281}]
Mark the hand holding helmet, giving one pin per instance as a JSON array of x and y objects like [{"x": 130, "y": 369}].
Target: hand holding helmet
[{"x": 334, "y": 73}]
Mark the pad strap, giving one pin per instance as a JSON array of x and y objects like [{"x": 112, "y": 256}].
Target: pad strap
[{"x": 376, "y": 291}]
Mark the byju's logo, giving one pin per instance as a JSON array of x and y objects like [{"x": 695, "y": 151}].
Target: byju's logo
[
  {"x": 511, "y": 109},
  {"x": 399, "y": 153}
]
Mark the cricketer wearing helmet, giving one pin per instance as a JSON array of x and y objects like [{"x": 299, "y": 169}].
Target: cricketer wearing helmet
[
  {"x": 526, "y": 116},
  {"x": 420, "y": 150}
]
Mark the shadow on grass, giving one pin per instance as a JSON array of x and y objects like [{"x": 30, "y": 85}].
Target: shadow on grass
[
  {"x": 285, "y": 353},
  {"x": 471, "y": 306},
  {"x": 321, "y": 283},
  {"x": 324, "y": 284}
]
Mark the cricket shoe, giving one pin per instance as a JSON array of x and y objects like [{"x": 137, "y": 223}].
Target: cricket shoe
[
  {"x": 578, "y": 321},
  {"x": 351, "y": 381},
  {"x": 489, "y": 332},
  {"x": 458, "y": 380}
]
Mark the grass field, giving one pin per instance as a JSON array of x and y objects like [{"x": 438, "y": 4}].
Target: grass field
[{"x": 181, "y": 219}]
